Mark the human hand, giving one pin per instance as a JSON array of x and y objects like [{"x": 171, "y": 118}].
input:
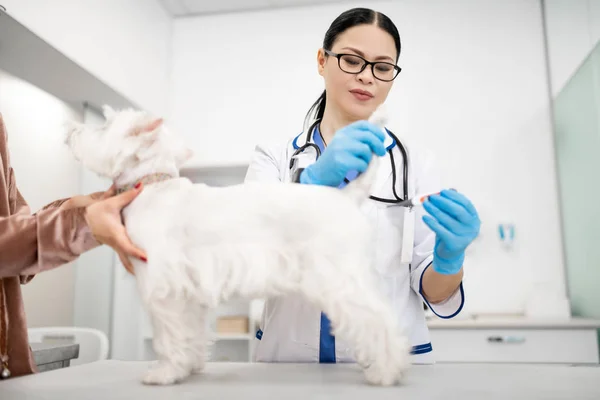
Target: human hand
[
  {"x": 350, "y": 150},
  {"x": 456, "y": 224},
  {"x": 104, "y": 219},
  {"x": 86, "y": 200}
]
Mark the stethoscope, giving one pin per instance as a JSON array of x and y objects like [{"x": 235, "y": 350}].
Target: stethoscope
[{"x": 397, "y": 199}]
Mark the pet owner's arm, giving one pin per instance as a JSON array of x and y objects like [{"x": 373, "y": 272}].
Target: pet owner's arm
[
  {"x": 30, "y": 244},
  {"x": 80, "y": 200},
  {"x": 59, "y": 233}
]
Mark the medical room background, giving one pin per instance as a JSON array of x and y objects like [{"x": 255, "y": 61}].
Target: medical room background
[{"x": 506, "y": 93}]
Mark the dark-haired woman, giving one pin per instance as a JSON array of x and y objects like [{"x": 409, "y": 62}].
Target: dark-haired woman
[{"x": 420, "y": 252}]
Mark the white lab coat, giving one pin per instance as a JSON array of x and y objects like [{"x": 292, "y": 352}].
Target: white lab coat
[{"x": 290, "y": 326}]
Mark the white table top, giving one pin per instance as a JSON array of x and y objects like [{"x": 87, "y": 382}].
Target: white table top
[{"x": 222, "y": 381}]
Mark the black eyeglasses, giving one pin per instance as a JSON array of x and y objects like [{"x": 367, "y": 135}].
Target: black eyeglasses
[{"x": 353, "y": 64}]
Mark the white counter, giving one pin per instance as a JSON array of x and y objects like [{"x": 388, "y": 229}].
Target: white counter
[
  {"x": 116, "y": 380},
  {"x": 509, "y": 322},
  {"x": 515, "y": 339}
]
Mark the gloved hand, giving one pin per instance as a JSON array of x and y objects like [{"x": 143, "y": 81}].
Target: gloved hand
[
  {"x": 456, "y": 224},
  {"x": 350, "y": 150}
]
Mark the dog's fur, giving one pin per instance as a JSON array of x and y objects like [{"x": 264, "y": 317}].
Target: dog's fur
[{"x": 206, "y": 245}]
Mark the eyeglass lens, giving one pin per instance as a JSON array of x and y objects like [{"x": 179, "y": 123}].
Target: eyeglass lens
[{"x": 353, "y": 64}]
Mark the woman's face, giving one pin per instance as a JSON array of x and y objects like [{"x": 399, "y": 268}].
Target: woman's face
[{"x": 357, "y": 95}]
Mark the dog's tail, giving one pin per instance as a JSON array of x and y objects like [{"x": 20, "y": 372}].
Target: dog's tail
[{"x": 359, "y": 189}]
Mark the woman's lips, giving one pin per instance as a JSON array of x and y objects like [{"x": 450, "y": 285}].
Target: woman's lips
[{"x": 362, "y": 95}]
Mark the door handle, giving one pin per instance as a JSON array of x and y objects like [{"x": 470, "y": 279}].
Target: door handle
[{"x": 506, "y": 339}]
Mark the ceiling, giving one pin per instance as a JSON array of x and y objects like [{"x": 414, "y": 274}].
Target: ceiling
[{"x": 184, "y": 8}]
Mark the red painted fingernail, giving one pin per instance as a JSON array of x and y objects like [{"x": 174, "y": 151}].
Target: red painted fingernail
[
  {"x": 137, "y": 185},
  {"x": 144, "y": 259}
]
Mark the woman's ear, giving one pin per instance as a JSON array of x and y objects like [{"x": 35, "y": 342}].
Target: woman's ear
[{"x": 321, "y": 61}]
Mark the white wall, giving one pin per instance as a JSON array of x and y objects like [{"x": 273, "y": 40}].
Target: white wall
[
  {"x": 125, "y": 43},
  {"x": 473, "y": 88},
  {"x": 573, "y": 29},
  {"x": 45, "y": 171}
]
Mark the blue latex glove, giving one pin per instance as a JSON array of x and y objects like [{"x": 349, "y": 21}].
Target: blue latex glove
[
  {"x": 350, "y": 150},
  {"x": 456, "y": 224}
]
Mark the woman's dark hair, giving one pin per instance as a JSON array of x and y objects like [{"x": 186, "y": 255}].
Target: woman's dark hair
[{"x": 347, "y": 20}]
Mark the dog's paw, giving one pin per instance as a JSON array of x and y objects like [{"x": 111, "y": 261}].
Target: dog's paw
[
  {"x": 198, "y": 368},
  {"x": 376, "y": 377},
  {"x": 384, "y": 374},
  {"x": 164, "y": 374}
]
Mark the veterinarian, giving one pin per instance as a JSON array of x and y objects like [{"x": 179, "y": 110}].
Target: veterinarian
[
  {"x": 55, "y": 235},
  {"x": 420, "y": 251}
]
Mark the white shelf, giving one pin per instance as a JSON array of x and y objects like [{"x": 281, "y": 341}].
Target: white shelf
[
  {"x": 218, "y": 336},
  {"x": 215, "y": 175},
  {"x": 233, "y": 336},
  {"x": 220, "y": 169}
]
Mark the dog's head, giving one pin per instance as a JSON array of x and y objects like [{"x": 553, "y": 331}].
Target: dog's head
[{"x": 127, "y": 139}]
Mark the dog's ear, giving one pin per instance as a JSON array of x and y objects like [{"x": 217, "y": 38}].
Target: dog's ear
[
  {"x": 182, "y": 156},
  {"x": 71, "y": 127},
  {"x": 179, "y": 150},
  {"x": 109, "y": 113},
  {"x": 150, "y": 127}
]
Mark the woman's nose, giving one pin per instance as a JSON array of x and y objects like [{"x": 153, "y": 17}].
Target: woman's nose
[{"x": 366, "y": 76}]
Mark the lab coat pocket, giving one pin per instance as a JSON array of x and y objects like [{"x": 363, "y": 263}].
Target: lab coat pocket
[{"x": 394, "y": 252}]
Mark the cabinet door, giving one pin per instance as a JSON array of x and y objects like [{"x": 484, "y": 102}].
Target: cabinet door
[{"x": 515, "y": 345}]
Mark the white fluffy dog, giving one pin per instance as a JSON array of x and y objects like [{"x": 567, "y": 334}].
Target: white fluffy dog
[{"x": 206, "y": 245}]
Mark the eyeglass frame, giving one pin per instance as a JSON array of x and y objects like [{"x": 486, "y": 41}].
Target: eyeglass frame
[{"x": 366, "y": 63}]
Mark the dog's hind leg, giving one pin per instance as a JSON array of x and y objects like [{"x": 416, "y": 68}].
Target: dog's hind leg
[
  {"x": 201, "y": 342},
  {"x": 179, "y": 340},
  {"x": 360, "y": 315}
]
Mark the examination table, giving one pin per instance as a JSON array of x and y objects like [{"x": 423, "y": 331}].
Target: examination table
[{"x": 223, "y": 381}]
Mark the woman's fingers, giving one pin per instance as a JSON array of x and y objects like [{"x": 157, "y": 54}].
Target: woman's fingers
[
  {"x": 122, "y": 200},
  {"x": 448, "y": 206},
  {"x": 441, "y": 232},
  {"x": 125, "y": 246},
  {"x": 126, "y": 263},
  {"x": 110, "y": 192},
  {"x": 460, "y": 199},
  {"x": 374, "y": 138},
  {"x": 125, "y": 249},
  {"x": 444, "y": 219},
  {"x": 104, "y": 220}
]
